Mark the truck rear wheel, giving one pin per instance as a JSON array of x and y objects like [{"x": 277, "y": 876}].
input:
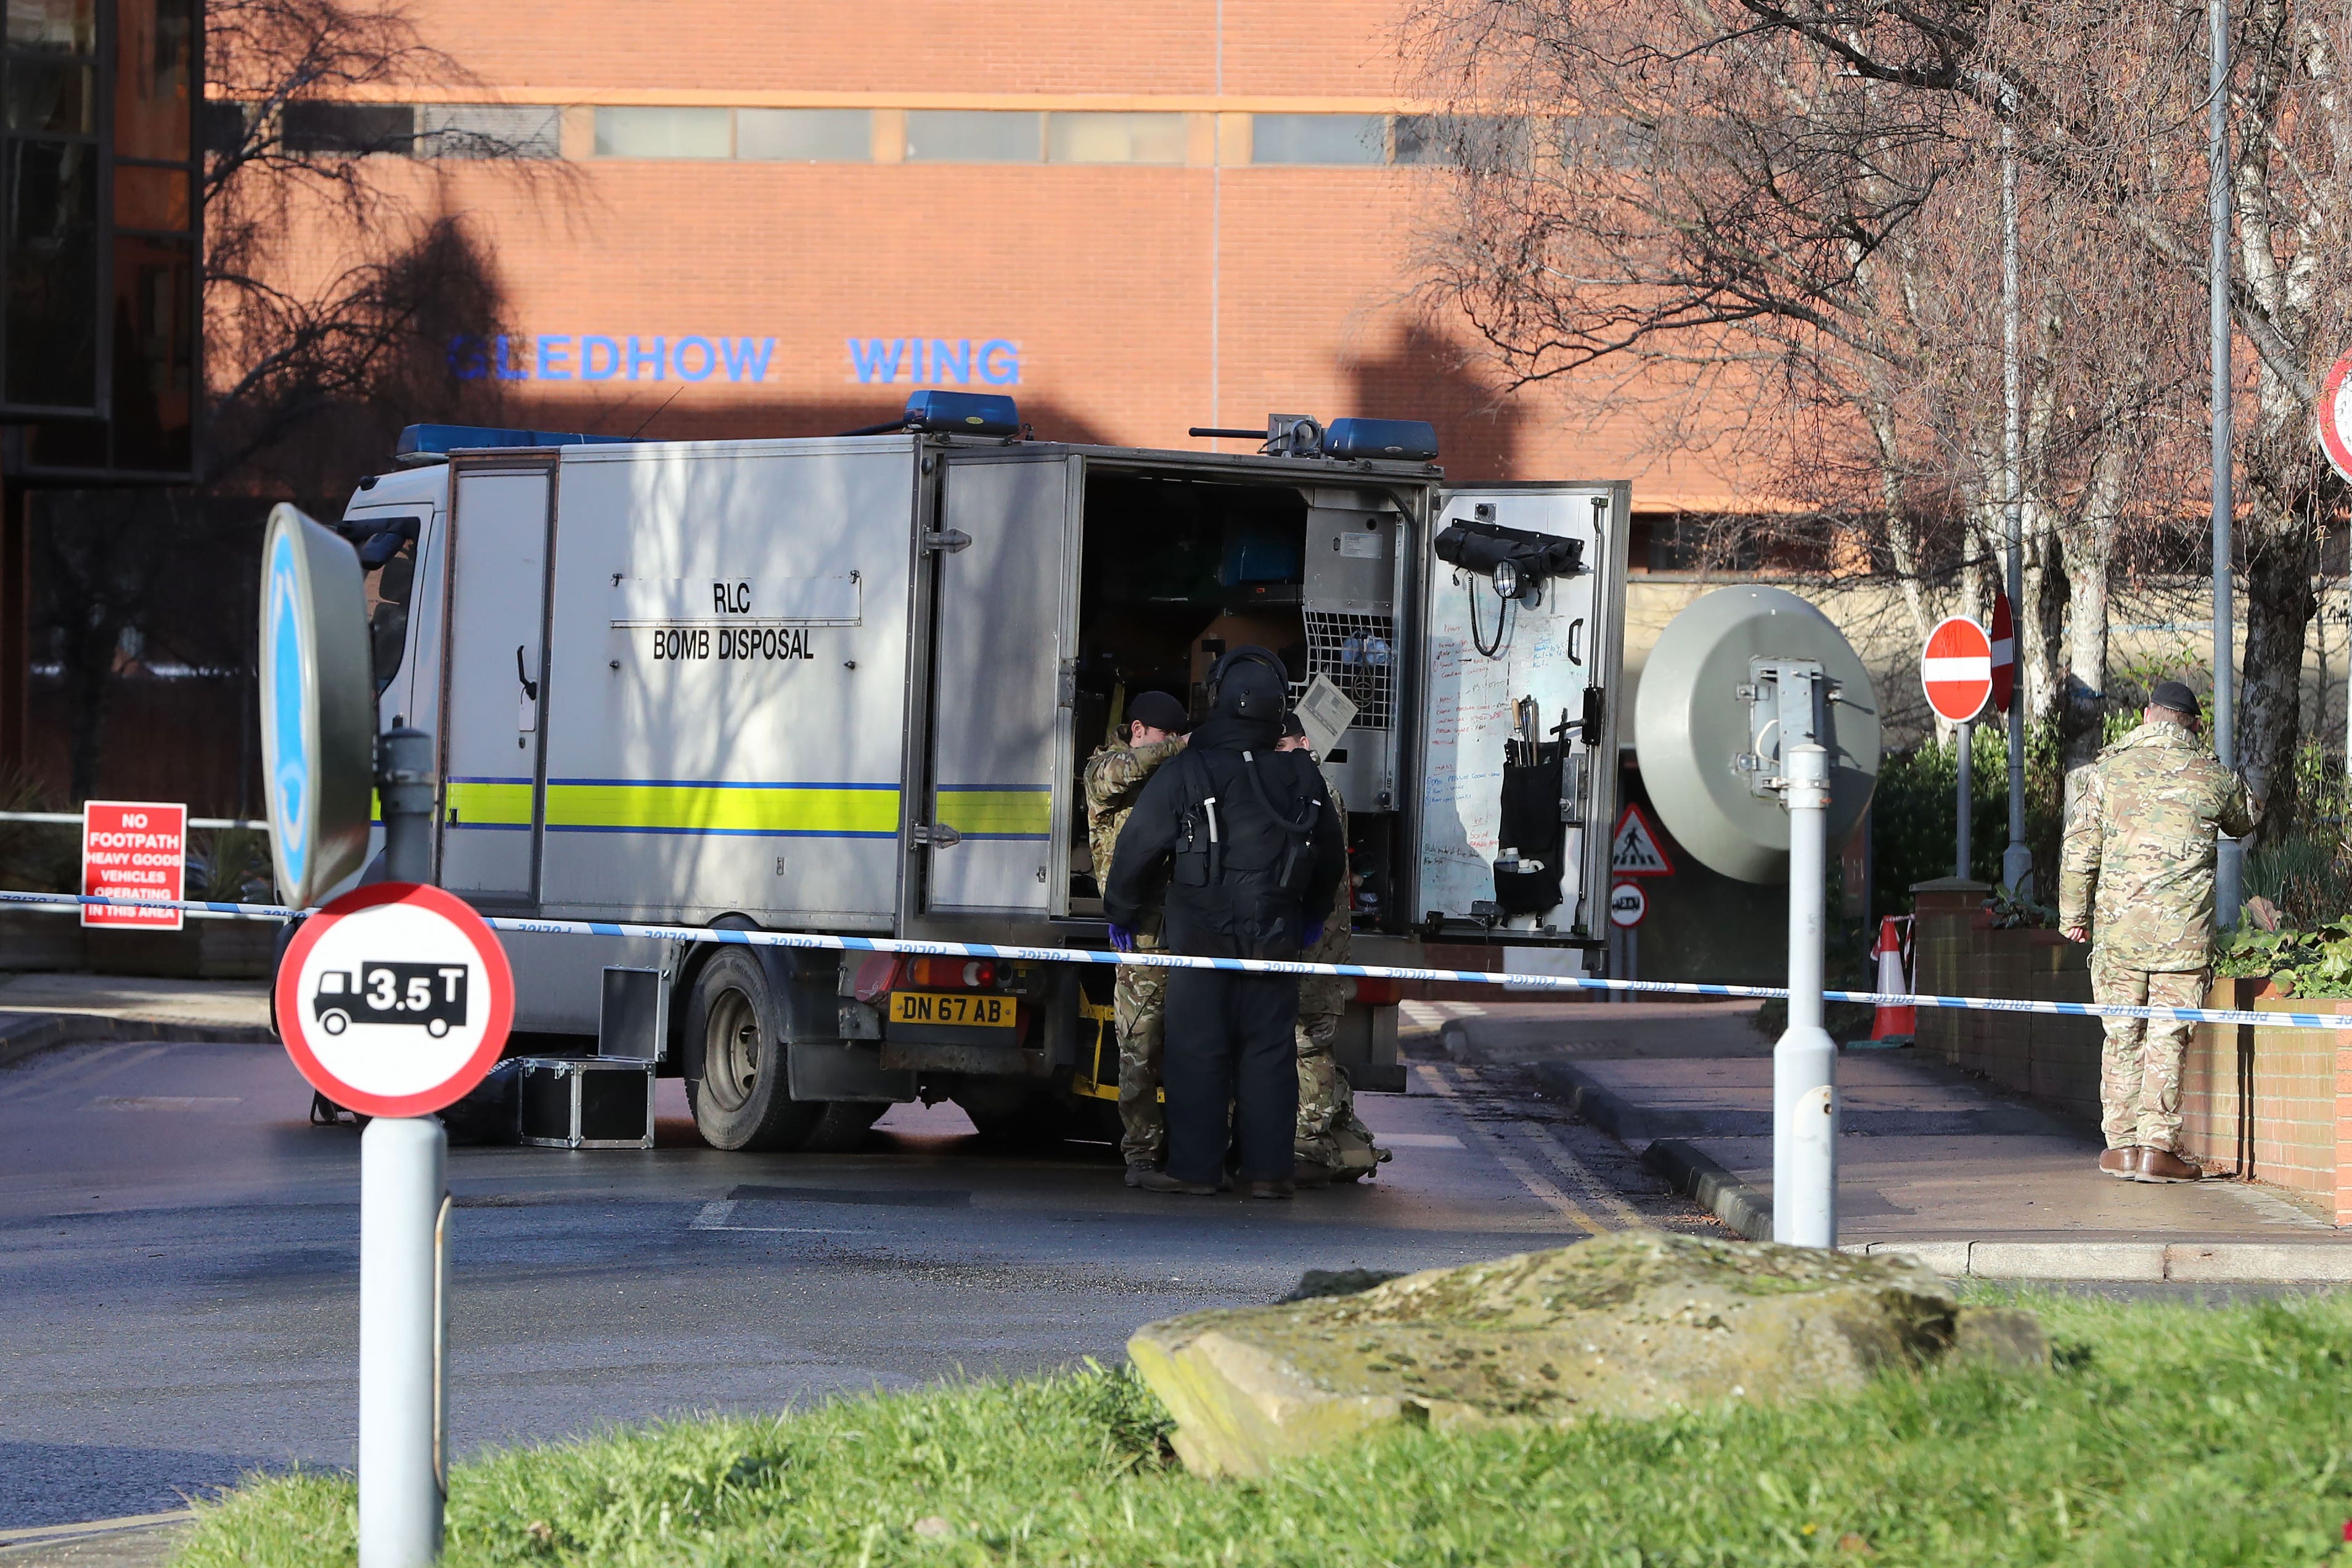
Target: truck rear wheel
[{"x": 744, "y": 1098}]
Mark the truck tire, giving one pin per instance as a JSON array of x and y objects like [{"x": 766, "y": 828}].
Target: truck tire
[
  {"x": 744, "y": 1098},
  {"x": 843, "y": 1127}
]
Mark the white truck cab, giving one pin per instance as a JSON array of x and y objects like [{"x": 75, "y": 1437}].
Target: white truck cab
[{"x": 849, "y": 685}]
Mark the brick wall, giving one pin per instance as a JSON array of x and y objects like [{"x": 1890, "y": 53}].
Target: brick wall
[{"x": 2274, "y": 1105}]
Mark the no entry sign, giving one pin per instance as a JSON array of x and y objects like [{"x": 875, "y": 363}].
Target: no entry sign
[
  {"x": 394, "y": 1000},
  {"x": 1956, "y": 670},
  {"x": 2335, "y": 415},
  {"x": 133, "y": 849},
  {"x": 2004, "y": 653}
]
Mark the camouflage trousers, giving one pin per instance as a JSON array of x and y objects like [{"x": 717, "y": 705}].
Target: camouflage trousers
[
  {"x": 1328, "y": 1133},
  {"x": 2139, "y": 1069},
  {"x": 1139, "y": 1003}
]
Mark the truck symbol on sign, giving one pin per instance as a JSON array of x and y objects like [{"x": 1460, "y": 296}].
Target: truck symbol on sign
[{"x": 429, "y": 995}]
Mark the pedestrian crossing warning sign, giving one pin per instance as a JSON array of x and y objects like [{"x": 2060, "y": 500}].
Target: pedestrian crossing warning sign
[{"x": 1634, "y": 849}]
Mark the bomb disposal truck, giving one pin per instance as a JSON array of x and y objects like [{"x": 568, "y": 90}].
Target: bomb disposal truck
[{"x": 849, "y": 685}]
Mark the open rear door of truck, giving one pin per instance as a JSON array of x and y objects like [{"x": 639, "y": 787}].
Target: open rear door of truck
[
  {"x": 999, "y": 765},
  {"x": 1563, "y": 647}
]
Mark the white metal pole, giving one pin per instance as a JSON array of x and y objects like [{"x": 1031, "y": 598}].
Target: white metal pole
[
  {"x": 1805, "y": 1062},
  {"x": 2225, "y": 643},
  {"x": 402, "y": 1165},
  {"x": 2017, "y": 860}
]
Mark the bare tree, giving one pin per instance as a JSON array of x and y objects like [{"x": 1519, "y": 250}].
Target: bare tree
[
  {"x": 306, "y": 162},
  {"x": 1807, "y": 189}
]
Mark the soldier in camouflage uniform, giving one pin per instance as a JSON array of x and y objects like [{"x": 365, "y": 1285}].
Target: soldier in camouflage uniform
[
  {"x": 1330, "y": 1142},
  {"x": 2138, "y": 866},
  {"x": 1156, "y": 723}
]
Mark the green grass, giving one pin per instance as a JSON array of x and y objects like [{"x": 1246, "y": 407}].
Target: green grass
[{"x": 2170, "y": 1435}]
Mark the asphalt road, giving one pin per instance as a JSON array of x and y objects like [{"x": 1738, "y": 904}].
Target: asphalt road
[{"x": 179, "y": 1262}]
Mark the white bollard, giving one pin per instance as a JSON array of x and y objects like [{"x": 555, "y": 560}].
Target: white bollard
[
  {"x": 403, "y": 1163},
  {"x": 1804, "y": 1061}
]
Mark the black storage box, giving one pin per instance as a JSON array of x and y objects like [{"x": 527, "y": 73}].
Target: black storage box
[{"x": 585, "y": 1103}]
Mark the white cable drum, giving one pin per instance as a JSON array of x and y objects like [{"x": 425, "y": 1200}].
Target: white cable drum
[{"x": 1691, "y": 726}]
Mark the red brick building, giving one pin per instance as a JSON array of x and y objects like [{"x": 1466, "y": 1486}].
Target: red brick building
[{"x": 1134, "y": 218}]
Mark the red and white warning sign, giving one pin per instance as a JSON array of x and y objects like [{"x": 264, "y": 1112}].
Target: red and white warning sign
[
  {"x": 2335, "y": 415},
  {"x": 1633, "y": 849},
  {"x": 2004, "y": 653},
  {"x": 394, "y": 1000},
  {"x": 133, "y": 849},
  {"x": 1956, "y": 670},
  {"x": 1627, "y": 905}
]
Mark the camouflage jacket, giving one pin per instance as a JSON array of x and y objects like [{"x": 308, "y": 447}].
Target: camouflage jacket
[
  {"x": 2138, "y": 861},
  {"x": 1114, "y": 778},
  {"x": 1328, "y": 993}
]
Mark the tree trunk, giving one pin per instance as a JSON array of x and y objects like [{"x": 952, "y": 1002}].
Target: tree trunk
[
  {"x": 2279, "y": 561},
  {"x": 2088, "y": 549}
]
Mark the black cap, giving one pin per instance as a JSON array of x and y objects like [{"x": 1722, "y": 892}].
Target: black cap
[
  {"x": 1291, "y": 726},
  {"x": 2173, "y": 695},
  {"x": 1160, "y": 711}
]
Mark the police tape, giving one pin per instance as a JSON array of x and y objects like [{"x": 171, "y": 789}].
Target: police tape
[{"x": 915, "y": 948}]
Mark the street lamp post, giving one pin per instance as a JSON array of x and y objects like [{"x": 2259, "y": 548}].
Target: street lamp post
[
  {"x": 2226, "y": 898},
  {"x": 2017, "y": 860}
]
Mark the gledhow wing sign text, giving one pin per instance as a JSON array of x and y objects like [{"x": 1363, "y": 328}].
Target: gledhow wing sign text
[{"x": 697, "y": 356}]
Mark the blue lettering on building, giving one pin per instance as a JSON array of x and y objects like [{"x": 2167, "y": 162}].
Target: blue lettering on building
[{"x": 697, "y": 357}]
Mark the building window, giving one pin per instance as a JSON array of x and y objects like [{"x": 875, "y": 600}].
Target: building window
[
  {"x": 1319, "y": 139},
  {"x": 1478, "y": 141},
  {"x": 357, "y": 128},
  {"x": 805, "y": 135},
  {"x": 663, "y": 134},
  {"x": 974, "y": 136},
  {"x": 51, "y": 246},
  {"x": 489, "y": 131},
  {"x": 1093, "y": 138}
]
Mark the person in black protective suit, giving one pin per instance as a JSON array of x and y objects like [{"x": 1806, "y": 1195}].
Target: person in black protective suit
[{"x": 1243, "y": 840}]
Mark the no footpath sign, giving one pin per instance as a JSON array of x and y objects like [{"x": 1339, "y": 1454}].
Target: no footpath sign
[
  {"x": 133, "y": 849},
  {"x": 394, "y": 1000}
]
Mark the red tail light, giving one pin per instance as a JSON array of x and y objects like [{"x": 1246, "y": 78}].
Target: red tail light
[
  {"x": 876, "y": 977},
  {"x": 954, "y": 974}
]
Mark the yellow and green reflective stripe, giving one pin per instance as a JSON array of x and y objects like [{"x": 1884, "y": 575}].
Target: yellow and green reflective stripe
[
  {"x": 998, "y": 813},
  {"x": 816, "y": 810},
  {"x": 486, "y": 802}
]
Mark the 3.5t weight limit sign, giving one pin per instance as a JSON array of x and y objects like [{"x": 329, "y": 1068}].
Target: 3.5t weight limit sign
[
  {"x": 394, "y": 1000},
  {"x": 1956, "y": 670}
]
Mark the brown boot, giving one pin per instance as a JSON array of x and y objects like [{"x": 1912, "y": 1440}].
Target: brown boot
[
  {"x": 2117, "y": 1163},
  {"x": 1162, "y": 1181},
  {"x": 2164, "y": 1165},
  {"x": 1271, "y": 1189}
]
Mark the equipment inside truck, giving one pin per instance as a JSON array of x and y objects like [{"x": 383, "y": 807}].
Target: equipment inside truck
[{"x": 1176, "y": 569}]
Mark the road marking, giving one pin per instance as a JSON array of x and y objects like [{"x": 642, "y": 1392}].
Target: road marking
[
  {"x": 164, "y": 1101},
  {"x": 1574, "y": 1169},
  {"x": 1418, "y": 1140},
  {"x": 75, "y": 1070},
  {"x": 717, "y": 1213},
  {"x": 95, "y": 1526},
  {"x": 1529, "y": 1177}
]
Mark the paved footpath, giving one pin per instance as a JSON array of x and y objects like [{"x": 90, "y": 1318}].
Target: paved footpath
[{"x": 1933, "y": 1163}]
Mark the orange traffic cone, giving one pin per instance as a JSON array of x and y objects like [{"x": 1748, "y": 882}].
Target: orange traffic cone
[{"x": 1892, "y": 1024}]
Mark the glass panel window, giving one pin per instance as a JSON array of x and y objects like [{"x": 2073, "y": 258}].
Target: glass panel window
[
  {"x": 805, "y": 135},
  {"x": 974, "y": 136},
  {"x": 663, "y": 133},
  {"x": 356, "y": 129},
  {"x": 50, "y": 95},
  {"x": 489, "y": 131},
  {"x": 154, "y": 352},
  {"x": 1114, "y": 138},
  {"x": 1319, "y": 139},
  {"x": 65, "y": 26},
  {"x": 153, "y": 39},
  {"x": 150, "y": 198},
  {"x": 52, "y": 267},
  {"x": 1478, "y": 141}
]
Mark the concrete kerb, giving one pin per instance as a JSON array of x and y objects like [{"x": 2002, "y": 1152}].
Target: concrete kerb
[{"x": 25, "y": 1034}]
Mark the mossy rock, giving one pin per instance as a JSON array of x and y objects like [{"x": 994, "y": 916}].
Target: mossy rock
[{"x": 1636, "y": 1323}]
